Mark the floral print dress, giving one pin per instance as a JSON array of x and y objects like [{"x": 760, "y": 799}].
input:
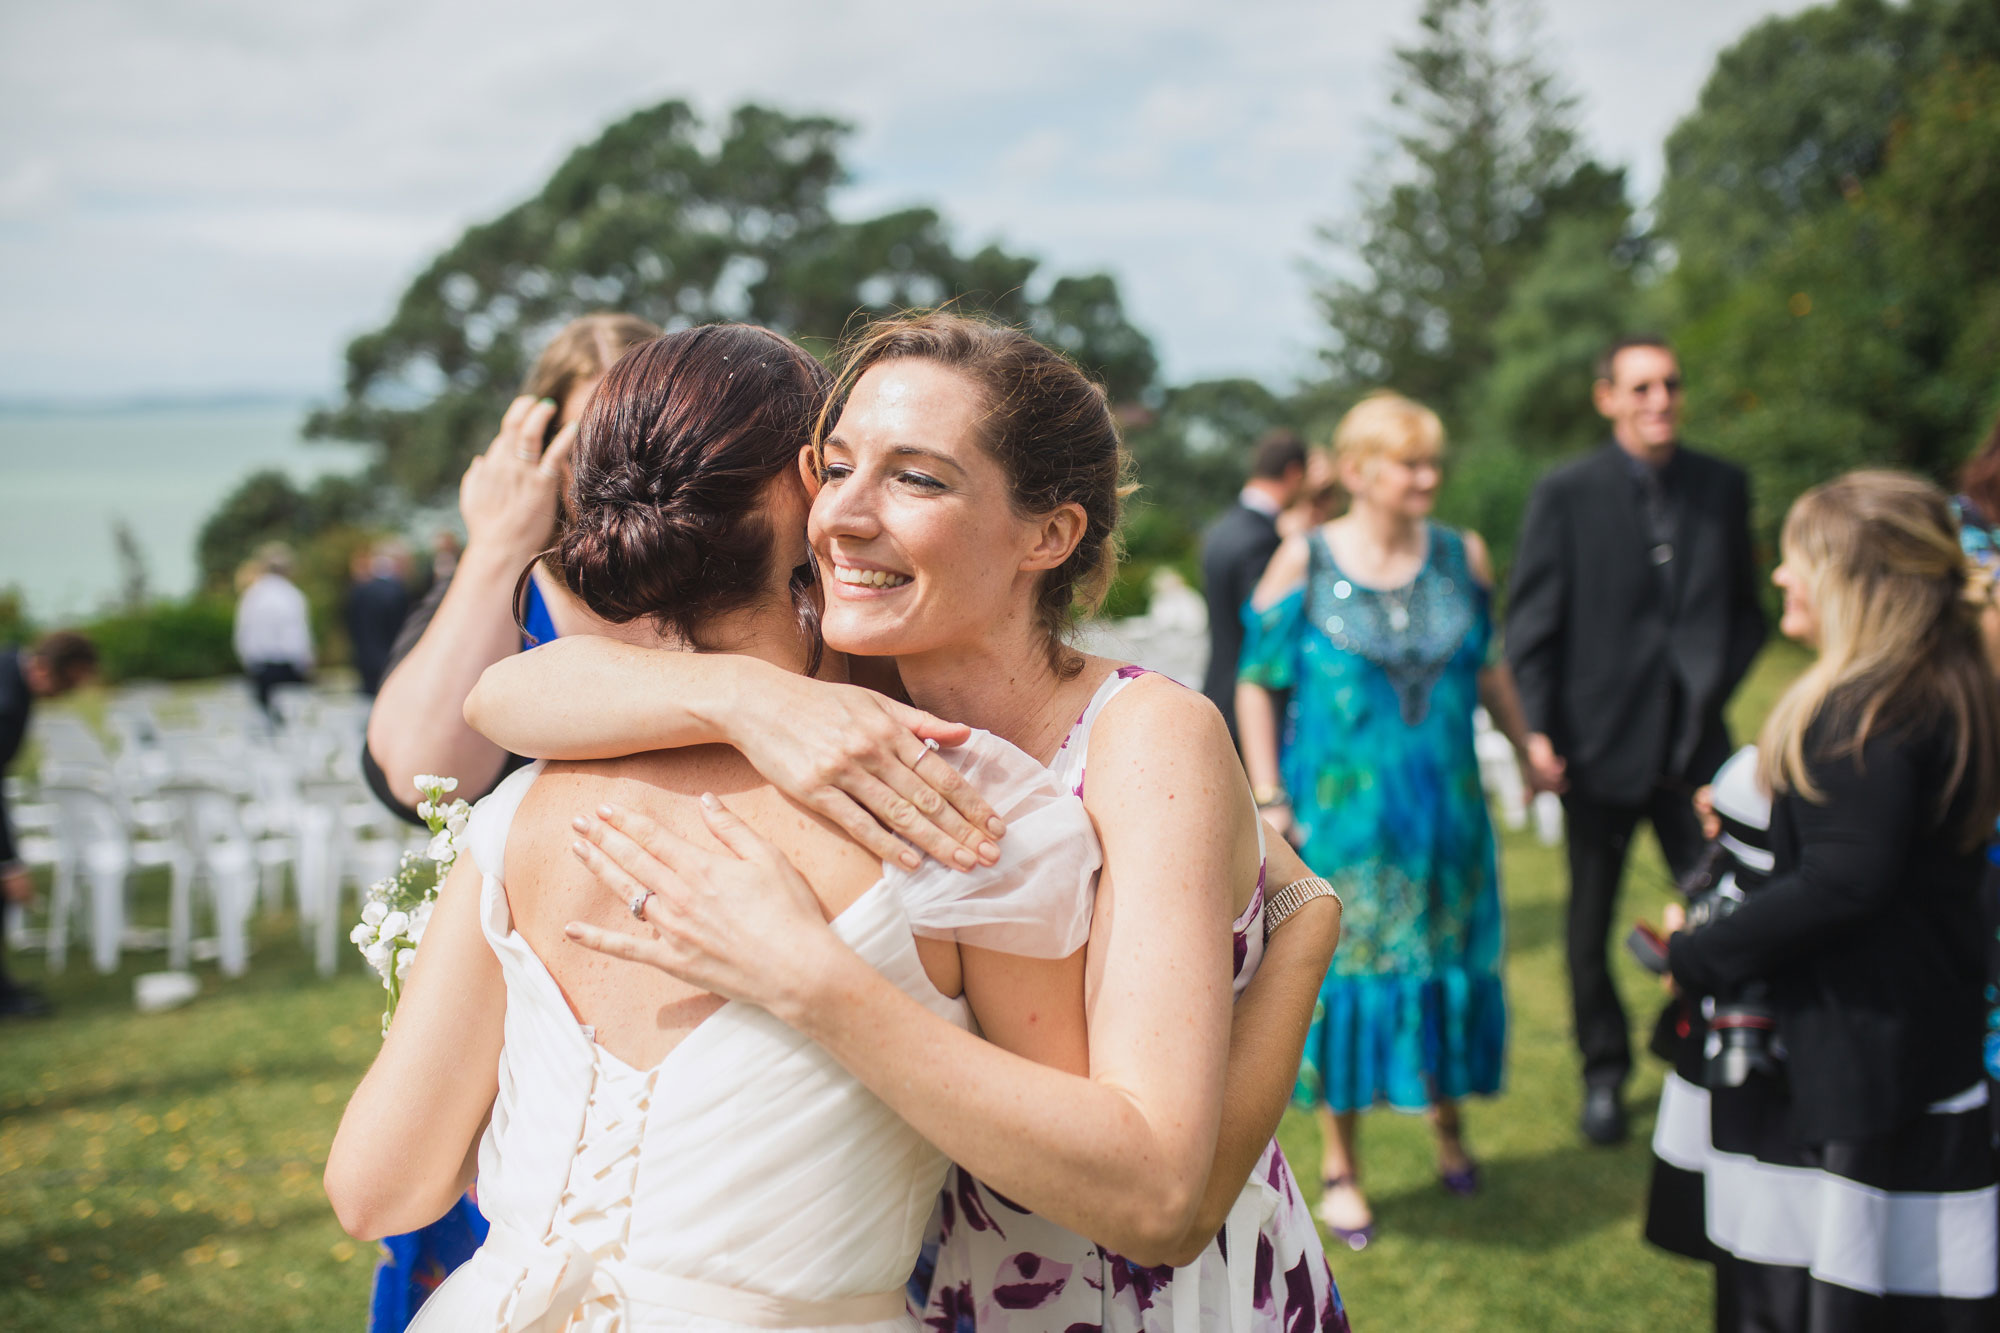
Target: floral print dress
[{"x": 994, "y": 1267}]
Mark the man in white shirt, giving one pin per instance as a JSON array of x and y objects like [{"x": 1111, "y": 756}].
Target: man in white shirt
[{"x": 273, "y": 628}]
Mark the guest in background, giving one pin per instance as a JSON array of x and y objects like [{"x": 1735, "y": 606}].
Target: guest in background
[
  {"x": 377, "y": 603},
  {"x": 1978, "y": 508},
  {"x": 57, "y": 664},
  {"x": 1859, "y": 1191},
  {"x": 1379, "y": 624},
  {"x": 1633, "y": 614},
  {"x": 273, "y": 634},
  {"x": 445, "y": 550},
  {"x": 1234, "y": 550},
  {"x": 508, "y": 499},
  {"x": 1319, "y": 499}
]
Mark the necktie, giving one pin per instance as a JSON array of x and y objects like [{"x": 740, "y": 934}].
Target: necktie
[{"x": 1658, "y": 515}]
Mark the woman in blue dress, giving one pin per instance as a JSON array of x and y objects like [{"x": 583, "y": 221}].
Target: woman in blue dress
[{"x": 1375, "y": 629}]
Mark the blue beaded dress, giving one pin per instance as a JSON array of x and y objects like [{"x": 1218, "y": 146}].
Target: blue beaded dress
[{"x": 1377, "y": 753}]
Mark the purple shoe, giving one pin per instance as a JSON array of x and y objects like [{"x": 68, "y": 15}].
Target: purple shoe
[
  {"x": 1464, "y": 1183},
  {"x": 1354, "y": 1238}
]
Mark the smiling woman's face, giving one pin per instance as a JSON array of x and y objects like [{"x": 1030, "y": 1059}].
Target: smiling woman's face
[{"x": 918, "y": 542}]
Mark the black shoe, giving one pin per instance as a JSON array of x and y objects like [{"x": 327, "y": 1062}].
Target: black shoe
[
  {"x": 1603, "y": 1120},
  {"x": 23, "y": 1002}
]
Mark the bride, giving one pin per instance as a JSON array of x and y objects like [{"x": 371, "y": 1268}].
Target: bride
[
  {"x": 966, "y": 492},
  {"x": 650, "y": 1155}
]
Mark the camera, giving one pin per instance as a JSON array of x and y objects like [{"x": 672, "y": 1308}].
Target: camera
[{"x": 1740, "y": 1036}]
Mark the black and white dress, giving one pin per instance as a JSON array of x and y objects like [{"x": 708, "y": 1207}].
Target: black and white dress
[{"x": 1857, "y": 1189}]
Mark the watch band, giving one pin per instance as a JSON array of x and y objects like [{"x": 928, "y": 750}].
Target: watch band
[{"x": 1280, "y": 905}]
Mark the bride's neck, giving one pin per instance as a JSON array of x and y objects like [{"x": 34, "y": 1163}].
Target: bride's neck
[{"x": 768, "y": 631}]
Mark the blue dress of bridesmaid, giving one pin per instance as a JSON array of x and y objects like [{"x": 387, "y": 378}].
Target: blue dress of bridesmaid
[{"x": 1377, "y": 754}]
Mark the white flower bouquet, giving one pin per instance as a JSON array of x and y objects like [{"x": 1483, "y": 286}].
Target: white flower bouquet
[{"x": 395, "y": 910}]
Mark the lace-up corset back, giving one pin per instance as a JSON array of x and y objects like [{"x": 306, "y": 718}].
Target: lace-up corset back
[{"x": 746, "y": 1180}]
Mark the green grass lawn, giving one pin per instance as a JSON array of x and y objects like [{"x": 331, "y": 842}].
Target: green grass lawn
[{"x": 162, "y": 1172}]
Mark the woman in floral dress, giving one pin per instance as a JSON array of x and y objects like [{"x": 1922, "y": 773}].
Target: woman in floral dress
[{"x": 1379, "y": 625}]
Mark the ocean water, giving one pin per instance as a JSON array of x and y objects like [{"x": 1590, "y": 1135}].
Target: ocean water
[{"x": 67, "y": 475}]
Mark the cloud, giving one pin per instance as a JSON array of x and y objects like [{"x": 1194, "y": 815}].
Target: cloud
[{"x": 198, "y": 194}]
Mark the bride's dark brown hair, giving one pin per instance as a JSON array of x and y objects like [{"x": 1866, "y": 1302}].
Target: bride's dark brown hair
[{"x": 680, "y": 440}]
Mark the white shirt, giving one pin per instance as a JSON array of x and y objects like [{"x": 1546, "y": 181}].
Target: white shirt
[
  {"x": 1257, "y": 500},
  {"x": 272, "y": 624}
]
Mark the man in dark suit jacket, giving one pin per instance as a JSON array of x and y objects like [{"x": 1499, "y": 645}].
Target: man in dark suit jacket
[
  {"x": 1234, "y": 550},
  {"x": 1633, "y": 614},
  {"x": 377, "y": 604},
  {"x": 61, "y": 662}
]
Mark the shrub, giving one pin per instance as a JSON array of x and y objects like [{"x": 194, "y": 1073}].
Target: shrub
[{"x": 178, "y": 640}]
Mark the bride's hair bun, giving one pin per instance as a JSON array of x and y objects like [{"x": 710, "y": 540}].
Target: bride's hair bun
[{"x": 666, "y": 519}]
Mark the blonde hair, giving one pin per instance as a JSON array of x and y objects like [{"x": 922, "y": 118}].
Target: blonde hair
[
  {"x": 1899, "y": 642},
  {"x": 1386, "y": 424},
  {"x": 582, "y": 351}
]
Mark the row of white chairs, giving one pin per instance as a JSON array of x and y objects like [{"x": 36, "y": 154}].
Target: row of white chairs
[{"x": 198, "y": 786}]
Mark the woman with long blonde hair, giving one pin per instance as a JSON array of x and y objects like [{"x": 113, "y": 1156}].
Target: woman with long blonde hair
[{"x": 1858, "y": 1189}]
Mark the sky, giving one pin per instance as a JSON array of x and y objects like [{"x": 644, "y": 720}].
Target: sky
[{"x": 212, "y": 196}]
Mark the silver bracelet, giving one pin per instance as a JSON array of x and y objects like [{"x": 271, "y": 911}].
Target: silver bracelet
[{"x": 1279, "y": 907}]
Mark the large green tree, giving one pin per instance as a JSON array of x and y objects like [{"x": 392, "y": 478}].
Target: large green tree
[
  {"x": 1485, "y": 162},
  {"x": 1831, "y": 319},
  {"x": 664, "y": 217},
  {"x": 1793, "y": 118}
]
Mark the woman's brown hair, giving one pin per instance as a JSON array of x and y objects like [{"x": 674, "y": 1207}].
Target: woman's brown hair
[
  {"x": 1899, "y": 638},
  {"x": 1049, "y": 426},
  {"x": 678, "y": 445}
]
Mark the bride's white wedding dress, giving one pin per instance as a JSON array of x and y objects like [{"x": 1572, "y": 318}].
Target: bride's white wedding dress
[{"x": 746, "y": 1181}]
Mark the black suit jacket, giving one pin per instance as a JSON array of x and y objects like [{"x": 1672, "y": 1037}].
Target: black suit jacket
[
  {"x": 376, "y": 610},
  {"x": 16, "y": 702},
  {"x": 1598, "y": 642},
  {"x": 1868, "y": 932},
  {"x": 1234, "y": 551}
]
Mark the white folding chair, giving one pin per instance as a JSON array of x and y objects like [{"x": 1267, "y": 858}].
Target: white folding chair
[
  {"x": 208, "y": 815},
  {"x": 96, "y": 843}
]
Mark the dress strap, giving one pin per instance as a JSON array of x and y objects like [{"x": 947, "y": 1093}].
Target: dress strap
[
  {"x": 486, "y": 829},
  {"x": 1068, "y": 765}
]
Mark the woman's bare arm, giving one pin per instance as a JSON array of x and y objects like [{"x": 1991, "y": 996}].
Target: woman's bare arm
[
  {"x": 1267, "y": 1038},
  {"x": 1256, "y": 709},
  {"x": 847, "y": 753},
  {"x": 508, "y": 501},
  {"x": 1502, "y": 698},
  {"x": 1122, "y": 1156},
  {"x": 407, "y": 1141}
]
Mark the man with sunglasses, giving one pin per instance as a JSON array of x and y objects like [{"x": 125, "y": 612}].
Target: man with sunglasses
[{"x": 1633, "y": 614}]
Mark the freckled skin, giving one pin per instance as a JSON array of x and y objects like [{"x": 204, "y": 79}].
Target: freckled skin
[{"x": 943, "y": 516}]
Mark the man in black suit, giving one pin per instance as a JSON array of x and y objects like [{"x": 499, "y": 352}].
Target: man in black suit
[
  {"x": 53, "y": 667},
  {"x": 1234, "y": 550},
  {"x": 377, "y": 604},
  {"x": 1634, "y": 613}
]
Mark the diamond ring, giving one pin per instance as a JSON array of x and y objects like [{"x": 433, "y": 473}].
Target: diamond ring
[{"x": 638, "y": 904}]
